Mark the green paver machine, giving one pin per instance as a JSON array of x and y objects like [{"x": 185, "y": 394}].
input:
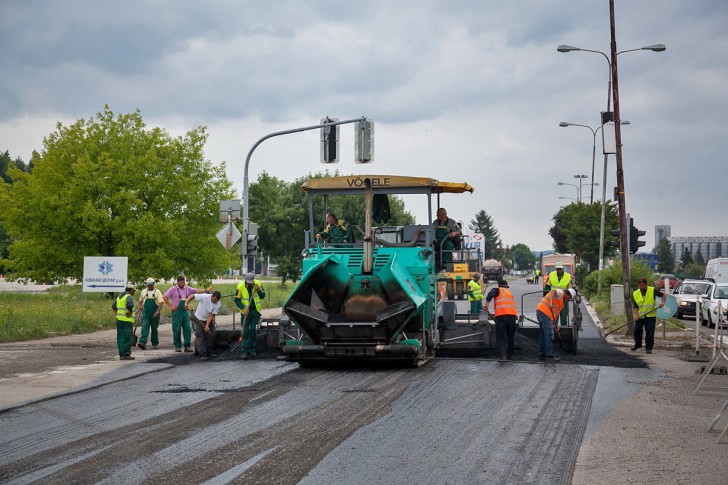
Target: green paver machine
[{"x": 373, "y": 300}]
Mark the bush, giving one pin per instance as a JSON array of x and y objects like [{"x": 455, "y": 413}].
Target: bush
[{"x": 612, "y": 275}]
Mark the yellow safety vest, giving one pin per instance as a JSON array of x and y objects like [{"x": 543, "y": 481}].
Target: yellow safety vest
[
  {"x": 474, "y": 288},
  {"x": 646, "y": 302},
  {"x": 121, "y": 309},
  {"x": 559, "y": 284},
  {"x": 244, "y": 295}
]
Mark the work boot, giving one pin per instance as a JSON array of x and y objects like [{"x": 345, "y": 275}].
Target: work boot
[
  {"x": 649, "y": 351},
  {"x": 126, "y": 357},
  {"x": 187, "y": 349},
  {"x": 178, "y": 350},
  {"x": 635, "y": 347},
  {"x": 253, "y": 354},
  {"x": 155, "y": 346},
  {"x": 551, "y": 358},
  {"x": 541, "y": 356},
  {"x": 142, "y": 346},
  {"x": 244, "y": 356}
]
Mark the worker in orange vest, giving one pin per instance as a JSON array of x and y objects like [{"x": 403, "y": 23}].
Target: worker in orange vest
[
  {"x": 547, "y": 312},
  {"x": 505, "y": 319}
]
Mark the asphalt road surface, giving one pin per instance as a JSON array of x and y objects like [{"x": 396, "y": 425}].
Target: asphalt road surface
[{"x": 264, "y": 421}]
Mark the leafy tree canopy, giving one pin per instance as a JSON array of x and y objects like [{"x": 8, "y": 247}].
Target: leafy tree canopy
[
  {"x": 687, "y": 258},
  {"x": 522, "y": 256},
  {"x": 111, "y": 187},
  {"x": 576, "y": 230}
]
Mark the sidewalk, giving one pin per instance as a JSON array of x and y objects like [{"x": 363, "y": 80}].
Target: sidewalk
[{"x": 37, "y": 370}]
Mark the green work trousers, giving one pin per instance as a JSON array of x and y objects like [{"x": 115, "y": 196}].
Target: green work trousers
[
  {"x": 250, "y": 330},
  {"x": 149, "y": 321},
  {"x": 476, "y": 306},
  {"x": 181, "y": 322},
  {"x": 123, "y": 337}
]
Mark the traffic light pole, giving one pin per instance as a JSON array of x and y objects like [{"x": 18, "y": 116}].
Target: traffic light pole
[
  {"x": 623, "y": 228},
  {"x": 246, "y": 219}
]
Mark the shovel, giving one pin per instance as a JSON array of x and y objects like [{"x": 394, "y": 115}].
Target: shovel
[{"x": 134, "y": 338}]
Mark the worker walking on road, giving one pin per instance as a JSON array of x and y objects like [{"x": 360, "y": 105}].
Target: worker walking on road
[
  {"x": 247, "y": 298},
  {"x": 644, "y": 311},
  {"x": 505, "y": 319},
  {"x": 475, "y": 294},
  {"x": 124, "y": 310},
  {"x": 204, "y": 322},
  {"x": 175, "y": 299},
  {"x": 150, "y": 305},
  {"x": 536, "y": 274},
  {"x": 547, "y": 312},
  {"x": 560, "y": 280}
]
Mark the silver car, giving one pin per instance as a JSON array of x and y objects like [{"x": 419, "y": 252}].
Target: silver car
[
  {"x": 686, "y": 294},
  {"x": 716, "y": 296}
]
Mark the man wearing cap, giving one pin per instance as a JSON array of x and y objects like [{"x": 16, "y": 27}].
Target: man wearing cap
[
  {"x": 547, "y": 312},
  {"x": 124, "y": 308},
  {"x": 247, "y": 298},
  {"x": 475, "y": 294},
  {"x": 336, "y": 231},
  {"x": 175, "y": 299},
  {"x": 150, "y": 305},
  {"x": 505, "y": 318},
  {"x": 560, "y": 280},
  {"x": 644, "y": 311}
]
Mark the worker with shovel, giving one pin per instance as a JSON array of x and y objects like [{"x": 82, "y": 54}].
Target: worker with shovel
[
  {"x": 204, "y": 322},
  {"x": 547, "y": 313},
  {"x": 644, "y": 310}
]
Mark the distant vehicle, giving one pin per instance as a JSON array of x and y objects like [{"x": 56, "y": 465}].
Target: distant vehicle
[
  {"x": 686, "y": 293},
  {"x": 717, "y": 270},
  {"x": 717, "y": 295},
  {"x": 660, "y": 280},
  {"x": 492, "y": 270}
]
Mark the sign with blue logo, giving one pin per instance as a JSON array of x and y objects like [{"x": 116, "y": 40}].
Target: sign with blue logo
[{"x": 104, "y": 273}]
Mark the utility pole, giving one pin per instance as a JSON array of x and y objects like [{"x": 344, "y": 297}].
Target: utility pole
[{"x": 623, "y": 228}]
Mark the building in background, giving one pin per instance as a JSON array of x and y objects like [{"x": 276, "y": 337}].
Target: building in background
[{"x": 710, "y": 247}]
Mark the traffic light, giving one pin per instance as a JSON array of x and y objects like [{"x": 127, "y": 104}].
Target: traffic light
[
  {"x": 634, "y": 237},
  {"x": 615, "y": 242},
  {"x": 329, "y": 141},
  {"x": 252, "y": 239},
  {"x": 364, "y": 134}
]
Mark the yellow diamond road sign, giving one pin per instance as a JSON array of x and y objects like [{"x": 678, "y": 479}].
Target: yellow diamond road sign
[{"x": 228, "y": 235}]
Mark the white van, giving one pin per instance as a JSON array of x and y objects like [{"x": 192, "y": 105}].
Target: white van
[{"x": 717, "y": 269}]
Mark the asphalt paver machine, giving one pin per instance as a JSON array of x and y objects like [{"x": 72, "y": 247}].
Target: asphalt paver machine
[{"x": 374, "y": 300}]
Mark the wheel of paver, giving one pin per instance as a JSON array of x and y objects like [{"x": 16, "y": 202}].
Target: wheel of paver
[
  {"x": 450, "y": 293},
  {"x": 460, "y": 290}
]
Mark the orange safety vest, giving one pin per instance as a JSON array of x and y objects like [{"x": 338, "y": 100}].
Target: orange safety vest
[
  {"x": 550, "y": 305},
  {"x": 505, "y": 304}
]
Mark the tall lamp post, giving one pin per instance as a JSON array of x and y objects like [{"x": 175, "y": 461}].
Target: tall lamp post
[
  {"x": 580, "y": 178},
  {"x": 623, "y": 217}
]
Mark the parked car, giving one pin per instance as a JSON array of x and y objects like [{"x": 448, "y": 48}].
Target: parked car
[
  {"x": 717, "y": 295},
  {"x": 661, "y": 280},
  {"x": 686, "y": 293}
]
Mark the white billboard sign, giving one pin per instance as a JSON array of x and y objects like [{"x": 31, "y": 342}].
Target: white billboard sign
[{"x": 104, "y": 273}]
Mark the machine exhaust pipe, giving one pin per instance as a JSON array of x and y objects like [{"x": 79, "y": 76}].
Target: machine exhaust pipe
[{"x": 368, "y": 263}]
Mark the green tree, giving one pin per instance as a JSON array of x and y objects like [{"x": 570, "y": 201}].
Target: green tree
[
  {"x": 694, "y": 270},
  {"x": 576, "y": 230},
  {"x": 699, "y": 258},
  {"x": 687, "y": 258},
  {"x": 665, "y": 258},
  {"x": 6, "y": 162},
  {"x": 109, "y": 186},
  {"x": 492, "y": 245},
  {"x": 522, "y": 256}
]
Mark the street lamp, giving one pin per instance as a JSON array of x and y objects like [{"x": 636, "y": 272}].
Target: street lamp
[
  {"x": 573, "y": 185},
  {"x": 623, "y": 209},
  {"x": 580, "y": 177}
]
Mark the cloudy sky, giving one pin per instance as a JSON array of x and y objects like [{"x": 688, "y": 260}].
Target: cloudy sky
[{"x": 460, "y": 90}]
